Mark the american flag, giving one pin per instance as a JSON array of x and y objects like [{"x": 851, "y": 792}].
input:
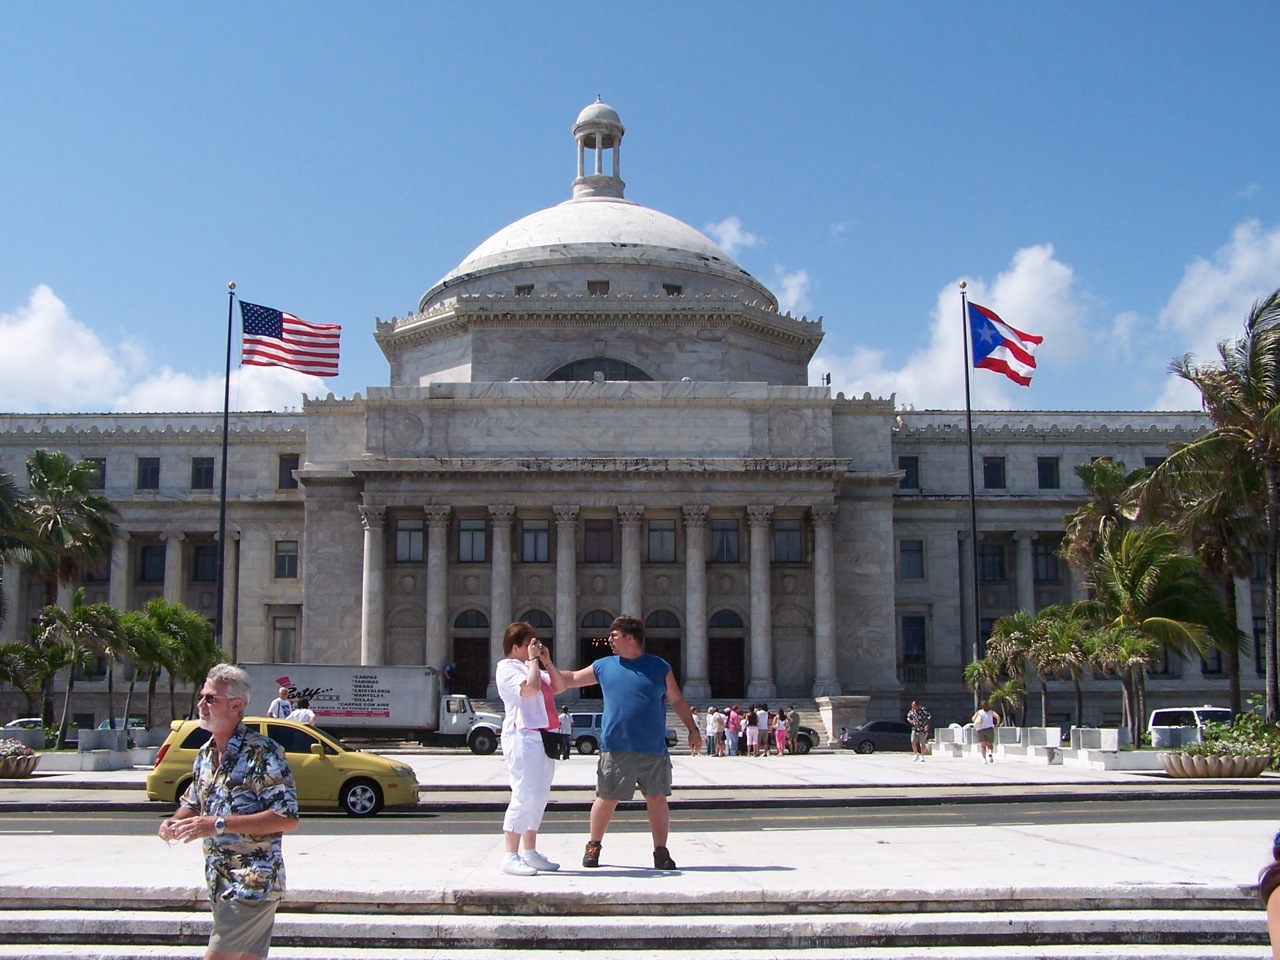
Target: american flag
[{"x": 276, "y": 339}]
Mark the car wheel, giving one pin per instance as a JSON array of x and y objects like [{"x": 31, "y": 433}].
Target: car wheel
[
  {"x": 586, "y": 746},
  {"x": 483, "y": 742},
  {"x": 803, "y": 745},
  {"x": 361, "y": 798},
  {"x": 182, "y": 788},
  {"x": 866, "y": 746}
]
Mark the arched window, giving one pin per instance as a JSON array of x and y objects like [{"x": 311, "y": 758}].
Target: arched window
[
  {"x": 662, "y": 619},
  {"x": 725, "y": 620},
  {"x": 599, "y": 368},
  {"x": 471, "y": 620},
  {"x": 537, "y": 619},
  {"x": 596, "y": 619}
]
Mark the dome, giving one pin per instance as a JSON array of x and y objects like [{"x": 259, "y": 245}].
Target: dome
[
  {"x": 598, "y": 227},
  {"x": 598, "y": 112}
]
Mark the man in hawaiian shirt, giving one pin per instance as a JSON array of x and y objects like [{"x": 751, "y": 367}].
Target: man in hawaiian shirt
[
  {"x": 241, "y": 802},
  {"x": 920, "y": 720}
]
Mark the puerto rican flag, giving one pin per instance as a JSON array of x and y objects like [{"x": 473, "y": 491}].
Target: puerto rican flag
[{"x": 999, "y": 347}]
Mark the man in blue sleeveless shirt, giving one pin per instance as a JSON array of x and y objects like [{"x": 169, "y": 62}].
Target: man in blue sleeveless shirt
[{"x": 633, "y": 745}]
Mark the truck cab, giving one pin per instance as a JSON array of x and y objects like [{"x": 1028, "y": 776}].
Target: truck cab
[{"x": 459, "y": 719}]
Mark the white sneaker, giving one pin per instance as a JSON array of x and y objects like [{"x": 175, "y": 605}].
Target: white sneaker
[
  {"x": 536, "y": 860},
  {"x": 513, "y": 865}
]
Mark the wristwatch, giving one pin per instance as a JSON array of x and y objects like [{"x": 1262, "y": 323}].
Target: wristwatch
[{"x": 220, "y": 826}]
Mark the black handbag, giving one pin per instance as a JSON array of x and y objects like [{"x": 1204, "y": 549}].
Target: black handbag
[{"x": 551, "y": 743}]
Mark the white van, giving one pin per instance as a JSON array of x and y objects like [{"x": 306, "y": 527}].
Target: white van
[{"x": 1189, "y": 716}]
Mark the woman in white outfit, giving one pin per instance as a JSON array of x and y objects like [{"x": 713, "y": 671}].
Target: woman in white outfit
[{"x": 528, "y": 684}]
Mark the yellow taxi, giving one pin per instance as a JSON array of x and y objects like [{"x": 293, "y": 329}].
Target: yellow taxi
[{"x": 327, "y": 773}]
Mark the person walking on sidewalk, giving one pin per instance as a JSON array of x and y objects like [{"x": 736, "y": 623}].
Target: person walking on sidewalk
[
  {"x": 633, "y": 746},
  {"x": 241, "y": 802},
  {"x": 566, "y": 732},
  {"x": 985, "y": 722},
  {"x": 527, "y": 682},
  {"x": 920, "y": 720}
]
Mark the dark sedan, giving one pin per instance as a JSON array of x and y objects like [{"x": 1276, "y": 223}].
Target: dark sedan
[{"x": 878, "y": 735}]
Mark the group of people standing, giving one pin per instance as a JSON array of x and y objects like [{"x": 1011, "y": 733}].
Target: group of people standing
[
  {"x": 637, "y": 686},
  {"x": 282, "y": 707},
  {"x": 749, "y": 731}
]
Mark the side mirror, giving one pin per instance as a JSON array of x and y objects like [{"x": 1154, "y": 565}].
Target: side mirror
[{"x": 317, "y": 749}]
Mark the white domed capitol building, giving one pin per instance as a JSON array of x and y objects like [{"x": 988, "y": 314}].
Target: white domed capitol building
[{"x": 598, "y": 412}]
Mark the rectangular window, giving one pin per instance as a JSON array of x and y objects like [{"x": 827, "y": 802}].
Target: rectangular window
[
  {"x": 993, "y": 473},
  {"x": 1212, "y": 664},
  {"x": 100, "y": 479},
  {"x": 991, "y": 562},
  {"x": 204, "y": 563},
  {"x": 1047, "y": 472},
  {"x": 286, "y": 479},
  {"x": 202, "y": 473},
  {"x": 913, "y": 645},
  {"x": 597, "y": 288},
  {"x": 1044, "y": 557},
  {"x": 286, "y": 559},
  {"x": 911, "y": 559},
  {"x": 151, "y": 563},
  {"x": 285, "y": 630},
  {"x": 597, "y": 541},
  {"x": 910, "y": 467},
  {"x": 524, "y": 289},
  {"x": 535, "y": 541},
  {"x": 725, "y": 547},
  {"x": 672, "y": 289},
  {"x": 408, "y": 541},
  {"x": 1259, "y": 566},
  {"x": 788, "y": 542},
  {"x": 985, "y": 626},
  {"x": 1152, "y": 462},
  {"x": 148, "y": 473},
  {"x": 662, "y": 541},
  {"x": 471, "y": 541}
]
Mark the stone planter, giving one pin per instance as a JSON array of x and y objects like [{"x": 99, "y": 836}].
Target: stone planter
[
  {"x": 1182, "y": 766},
  {"x": 15, "y": 768}
]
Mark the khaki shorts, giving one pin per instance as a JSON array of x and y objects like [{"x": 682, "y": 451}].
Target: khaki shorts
[
  {"x": 987, "y": 736},
  {"x": 618, "y": 773},
  {"x": 242, "y": 926}
]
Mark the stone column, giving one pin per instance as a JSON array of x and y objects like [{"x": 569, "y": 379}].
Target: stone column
[
  {"x": 173, "y": 585},
  {"x": 373, "y": 596},
  {"x": 826, "y": 681},
  {"x": 437, "y": 645},
  {"x": 696, "y": 686},
  {"x": 761, "y": 687},
  {"x": 500, "y": 613},
  {"x": 231, "y": 596},
  {"x": 118, "y": 584},
  {"x": 1024, "y": 571},
  {"x": 566, "y": 652},
  {"x": 11, "y": 580},
  {"x": 631, "y": 518}
]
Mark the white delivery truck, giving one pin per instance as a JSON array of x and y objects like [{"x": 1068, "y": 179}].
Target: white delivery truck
[{"x": 379, "y": 701}]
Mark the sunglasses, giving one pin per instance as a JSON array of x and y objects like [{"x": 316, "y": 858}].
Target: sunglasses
[{"x": 212, "y": 698}]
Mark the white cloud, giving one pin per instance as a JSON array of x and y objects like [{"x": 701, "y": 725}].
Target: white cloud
[
  {"x": 1037, "y": 294},
  {"x": 792, "y": 290},
  {"x": 1213, "y": 298},
  {"x": 53, "y": 362},
  {"x": 730, "y": 237}
]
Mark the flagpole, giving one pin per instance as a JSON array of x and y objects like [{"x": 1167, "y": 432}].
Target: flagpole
[
  {"x": 973, "y": 501},
  {"x": 218, "y": 628}
]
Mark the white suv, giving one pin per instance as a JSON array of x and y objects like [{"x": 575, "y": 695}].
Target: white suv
[{"x": 1189, "y": 716}]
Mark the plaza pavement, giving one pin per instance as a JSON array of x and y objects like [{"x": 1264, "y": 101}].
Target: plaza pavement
[{"x": 1204, "y": 861}]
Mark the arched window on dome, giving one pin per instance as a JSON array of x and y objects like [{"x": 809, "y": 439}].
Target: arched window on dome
[{"x": 598, "y": 369}]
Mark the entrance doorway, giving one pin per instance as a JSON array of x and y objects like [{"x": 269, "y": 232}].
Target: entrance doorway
[
  {"x": 726, "y": 656},
  {"x": 471, "y": 668}
]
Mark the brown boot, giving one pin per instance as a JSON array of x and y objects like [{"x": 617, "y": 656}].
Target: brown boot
[
  {"x": 591, "y": 856},
  {"x": 662, "y": 859}
]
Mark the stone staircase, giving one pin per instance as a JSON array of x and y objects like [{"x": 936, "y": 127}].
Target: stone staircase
[{"x": 993, "y": 925}]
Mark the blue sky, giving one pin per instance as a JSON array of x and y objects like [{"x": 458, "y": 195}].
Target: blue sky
[{"x": 1104, "y": 175}]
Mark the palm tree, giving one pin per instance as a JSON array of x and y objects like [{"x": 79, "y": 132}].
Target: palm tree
[
  {"x": 191, "y": 650},
  {"x": 1145, "y": 583},
  {"x": 18, "y": 541},
  {"x": 1241, "y": 395},
  {"x": 25, "y": 668},
  {"x": 67, "y": 515},
  {"x": 1111, "y": 504},
  {"x": 1126, "y": 654},
  {"x": 1219, "y": 511},
  {"x": 74, "y": 638},
  {"x": 145, "y": 652},
  {"x": 1060, "y": 652}
]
